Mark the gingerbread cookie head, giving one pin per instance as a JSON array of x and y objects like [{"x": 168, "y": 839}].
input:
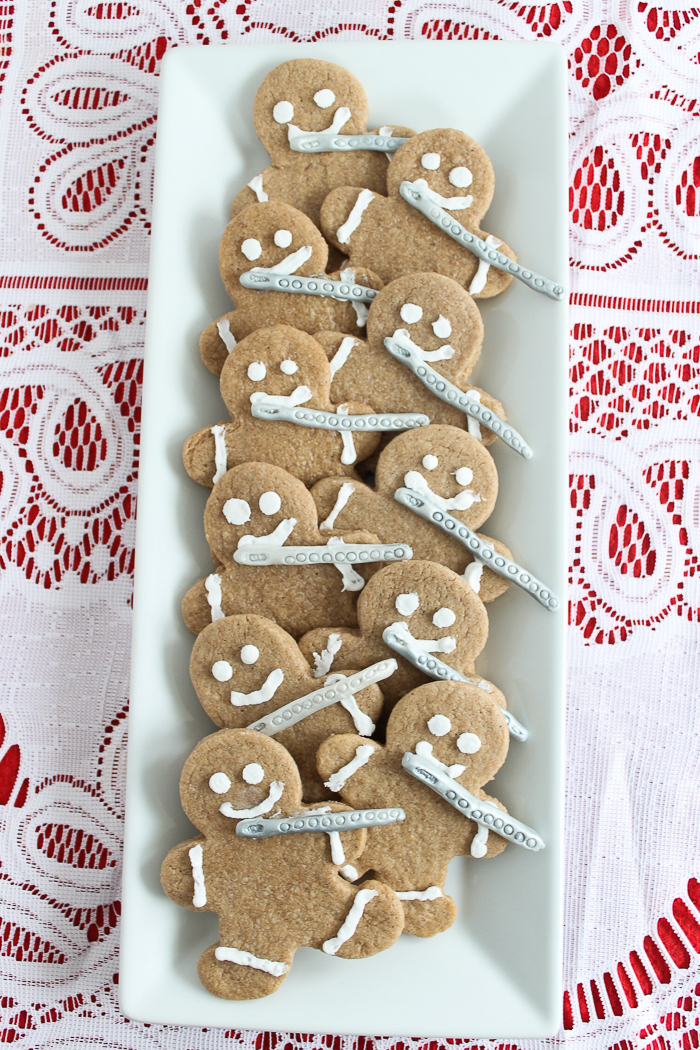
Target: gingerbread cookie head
[
  {"x": 454, "y": 168},
  {"x": 307, "y": 95}
]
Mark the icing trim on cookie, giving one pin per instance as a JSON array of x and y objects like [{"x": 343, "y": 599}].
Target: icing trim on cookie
[
  {"x": 264, "y": 694},
  {"x": 478, "y": 281},
  {"x": 290, "y": 264},
  {"x": 432, "y": 893},
  {"x": 345, "y": 232},
  {"x": 352, "y": 921},
  {"x": 352, "y": 581},
  {"x": 212, "y": 586},
  {"x": 196, "y": 855},
  {"x": 344, "y": 493},
  {"x": 340, "y": 118},
  {"x": 342, "y": 354},
  {"x": 337, "y": 780},
  {"x": 274, "y": 795},
  {"x": 227, "y": 337},
  {"x": 242, "y": 958},
  {"x": 324, "y": 661},
  {"x": 256, "y": 185},
  {"x": 479, "y": 843},
  {"x": 220, "y": 454},
  {"x": 464, "y": 499}
]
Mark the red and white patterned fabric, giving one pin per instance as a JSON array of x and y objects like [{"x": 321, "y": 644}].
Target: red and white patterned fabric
[{"x": 78, "y": 95}]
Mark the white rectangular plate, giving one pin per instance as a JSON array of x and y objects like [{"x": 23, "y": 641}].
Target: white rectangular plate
[{"x": 496, "y": 972}]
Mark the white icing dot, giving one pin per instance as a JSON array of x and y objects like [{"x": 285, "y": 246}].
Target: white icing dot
[
  {"x": 282, "y": 238},
  {"x": 442, "y": 327},
  {"x": 461, "y": 177},
  {"x": 468, "y": 743},
  {"x": 439, "y": 725},
  {"x": 222, "y": 671},
  {"x": 289, "y": 367},
  {"x": 430, "y": 462},
  {"x": 253, "y": 773},
  {"x": 256, "y": 371},
  {"x": 444, "y": 617},
  {"x": 324, "y": 98},
  {"x": 219, "y": 783},
  {"x": 250, "y": 654},
  {"x": 269, "y": 503},
  {"x": 406, "y": 604},
  {"x": 464, "y": 476},
  {"x": 283, "y": 112},
  {"x": 251, "y": 248},
  {"x": 236, "y": 511},
  {"x": 410, "y": 313},
  {"x": 430, "y": 161}
]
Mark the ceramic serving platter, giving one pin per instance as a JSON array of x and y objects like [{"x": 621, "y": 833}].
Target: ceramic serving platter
[{"x": 496, "y": 972}]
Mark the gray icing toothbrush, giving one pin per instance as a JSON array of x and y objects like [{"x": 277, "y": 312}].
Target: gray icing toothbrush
[
  {"x": 347, "y": 554},
  {"x": 266, "y": 281},
  {"x": 328, "y": 142},
  {"x": 265, "y": 827},
  {"x": 311, "y": 417}
]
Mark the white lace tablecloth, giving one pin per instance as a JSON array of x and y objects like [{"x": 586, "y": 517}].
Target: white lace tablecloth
[{"x": 78, "y": 96}]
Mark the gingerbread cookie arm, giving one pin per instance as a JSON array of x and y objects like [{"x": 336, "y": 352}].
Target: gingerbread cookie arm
[
  {"x": 218, "y": 340},
  {"x": 262, "y": 187},
  {"x": 230, "y": 972},
  {"x": 182, "y": 875},
  {"x": 331, "y": 649},
  {"x": 351, "y": 764}
]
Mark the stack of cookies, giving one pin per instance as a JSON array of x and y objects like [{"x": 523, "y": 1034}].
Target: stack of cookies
[{"x": 338, "y": 631}]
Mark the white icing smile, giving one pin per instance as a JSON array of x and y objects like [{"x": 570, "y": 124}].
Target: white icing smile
[
  {"x": 276, "y": 789},
  {"x": 462, "y": 501},
  {"x": 448, "y": 203},
  {"x": 424, "y": 749},
  {"x": 290, "y": 264},
  {"x": 262, "y": 695},
  {"x": 299, "y": 396},
  {"x": 277, "y": 538},
  {"x": 443, "y": 353},
  {"x": 424, "y": 645},
  {"x": 340, "y": 118}
]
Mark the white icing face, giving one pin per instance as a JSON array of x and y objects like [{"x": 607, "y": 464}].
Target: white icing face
[
  {"x": 406, "y": 604},
  {"x": 251, "y": 248},
  {"x": 442, "y": 327},
  {"x": 253, "y": 773},
  {"x": 460, "y": 177},
  {"x": 444, "y": 617},
  {"x": 324, "y": 98},
  {"x": 464, "y": 476},
  {"x": 283, "y": 112},
  {"x": 219, "y": 783},
  {"x": 222, "y": 671},
  {"x": 439, "y": 725},
  {"x": 430, "y": 462},
  {"x": 236, "y": 511},
  {"x": 410, "y": 313},
  {"x": 468, "y": 743},
  {"x": 256, "y": 371},
  {"x": 250, "y": 654},
  {"x": 282, "y": 238},
  {"x": 289, "y": 367},
  {"x": 430, "y": 161},
  {"x": 269, "y": 503}
]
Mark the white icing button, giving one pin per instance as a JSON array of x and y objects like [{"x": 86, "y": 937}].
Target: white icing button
[
  {"x": 269, "y": 503},
  {"x": 444, "y": 617},
  {"x": 251, "y": 248},
  {"x": 430, "y": 462},
  {"x": 282, "y": 238},
  {"x": 410, "y": 313},
  {"x": 461, "y": 177},
  {"x": 439, "y": 725},
  {"x": 468, "y": 743},
  {"x": 283, "y": 112},
  {"x": 236, "y": 511},
  {"x": 406, "y": 604},
  {"x": 250, "y": 654},
  {"x": 256, "y": 371},
  {"x": 253, "y": 773},
  {"x": 222, "y": 671},
  {"x": 430, "y": 161},
  {"x": 219, "y": 783},
  {"x": 324, "y": 98},
  {"x": 464, "y": 476},
  {"x": 442, "y": 327},
  {"x": 289, "y": 367}
]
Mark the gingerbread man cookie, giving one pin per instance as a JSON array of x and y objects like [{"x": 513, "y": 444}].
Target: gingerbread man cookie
[
  {"x": 248, "y": 672},
  {"x": 270, "y": 241},
  {"x": 274, "y": 895},
  {"x": 250, "y": 515},
  {"x": 393, "y": 238},
  {"x": 307, "y": 95},
  {"x": 456, "y": 726},
  {"x": 447, "y": 465}
]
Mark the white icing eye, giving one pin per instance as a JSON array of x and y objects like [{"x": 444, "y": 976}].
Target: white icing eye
[
  {"x": 251, "y": 248},
  {"x": 324, "y": 98},
  {"x": 439, "y": 725},
  {"x": 269, "y": 503},
  {"x": 289, "y": 367},
  {"x": 410, "y": 313},
  {"x": 444, "y": 617},
  {"x": 460, "y": 177},
  {"x": 468, "y": 743},
  {"x": 283, "y": 112},
  {"x": 430, "y": 462},
  {"x": 256, "y": 371},
  {"x": 442, "y": 327},
  {"x": 406, "y": 604},
  {"x": 236, "y": 511},
  {"x": 464, "y": 476},
  {"x": 250, "y": 654},
  {"x": 282, "y": 238},
  {"x": 219, "y": 783},
  {"x": 430, "y": 161},
  {"x": 222, "y": 671},
  {"x": 253, "y": 773}
]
